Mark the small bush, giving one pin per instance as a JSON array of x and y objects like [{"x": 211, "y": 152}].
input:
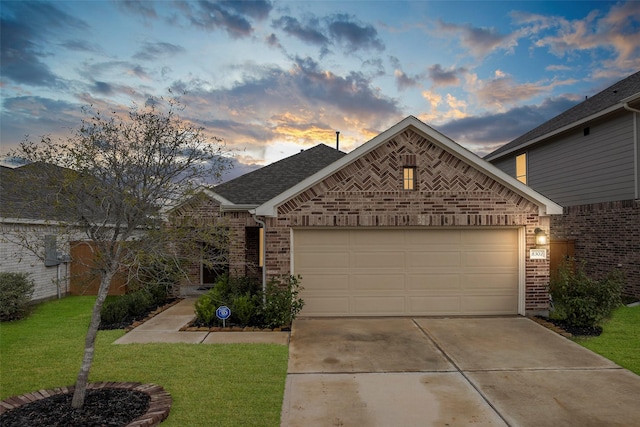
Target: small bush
[
  {"x": 114, "y": 312},
  {"x": 126, "y": 308},
  {"x": 151, "y": 287},
  {"x": 16, "y": 290},
  {"x": 582, "y": 301},
  {"x": 282, "y": 302},
  {"x": 206, "y": 307},
  {"x": 244, "y": 308}
]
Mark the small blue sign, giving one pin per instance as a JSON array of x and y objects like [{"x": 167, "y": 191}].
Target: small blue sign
[{"x": 223, "y": 312}]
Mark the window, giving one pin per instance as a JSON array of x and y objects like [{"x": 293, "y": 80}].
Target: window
[
  {"x": 409, "y": 178},
  {"x": 521, "y": 168}
]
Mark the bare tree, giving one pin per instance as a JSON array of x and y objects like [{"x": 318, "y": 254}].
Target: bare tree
[{"x": 120, "y": 171}]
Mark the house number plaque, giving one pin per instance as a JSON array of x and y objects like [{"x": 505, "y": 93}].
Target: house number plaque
[{"x": 537, "y": 253}]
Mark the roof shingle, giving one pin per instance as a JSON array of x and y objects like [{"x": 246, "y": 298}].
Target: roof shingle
[{"x": 255, "y": 188}]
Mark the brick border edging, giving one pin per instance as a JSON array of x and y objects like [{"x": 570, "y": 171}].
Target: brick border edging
[{"x": 159, "y": 403}]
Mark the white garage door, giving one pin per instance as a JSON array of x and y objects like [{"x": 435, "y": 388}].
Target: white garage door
[{"x": 391, "y": 272}]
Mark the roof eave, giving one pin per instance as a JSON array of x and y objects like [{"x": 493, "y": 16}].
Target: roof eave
[
  {"x": 555, "y": 132},
  {"x": 236, "y": 208}
]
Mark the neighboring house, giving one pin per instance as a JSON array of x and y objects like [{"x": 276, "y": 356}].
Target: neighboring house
[
  {"x": 410, "y": 223},
  {"x": 36, "y": 238},
  {"x": 29, "y": 242},
  {"x": 587, "y": 159}
]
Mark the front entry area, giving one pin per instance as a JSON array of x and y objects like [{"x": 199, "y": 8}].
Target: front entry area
[{"x": 407, "y": 272}]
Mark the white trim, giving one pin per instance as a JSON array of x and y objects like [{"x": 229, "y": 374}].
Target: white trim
[
  {"x": 186, "y": 199},
  {"x": 291, "y": 246},
  {"x": 28, "y": 221},
  {"x": 547, "y": 206},
  {"x": 232, "y": 208},
  {"x": 522, "y": 270}
]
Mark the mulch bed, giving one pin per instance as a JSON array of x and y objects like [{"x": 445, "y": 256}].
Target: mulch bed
[
  {"x": 196, "y": 326},
  {"x": 567, "y": 330},
  {"x": 132, "y": 323},
  {"x": 106, "y": 404}
]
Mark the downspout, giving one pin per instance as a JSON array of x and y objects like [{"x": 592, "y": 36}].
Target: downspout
[
  {"x": 58, "y": 281},
  {"x": 636, "y": 147},
  {"x": 264, "y": 258}
]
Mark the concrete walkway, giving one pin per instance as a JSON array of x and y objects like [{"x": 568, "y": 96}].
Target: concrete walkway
[
  {"x": 450, "y": 372},
  {"x": 165, "y": 328}
]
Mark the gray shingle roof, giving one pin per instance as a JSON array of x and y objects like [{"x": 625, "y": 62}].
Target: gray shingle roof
[
  {"x": 601, "y": 101},
  {"x": 255, "y": 188},
  {"x": 30, "y": 192}
]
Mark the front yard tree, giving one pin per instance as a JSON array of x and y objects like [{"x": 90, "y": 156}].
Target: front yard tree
[{"x": 123, "y": 169}]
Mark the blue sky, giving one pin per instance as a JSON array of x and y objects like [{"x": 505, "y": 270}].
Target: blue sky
[{"x": 274, "y": 77}]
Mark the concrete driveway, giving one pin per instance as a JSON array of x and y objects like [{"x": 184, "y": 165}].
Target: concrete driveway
[{"x": 450, "y": 372}]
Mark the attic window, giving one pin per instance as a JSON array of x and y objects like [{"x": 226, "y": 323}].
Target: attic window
[
  {"x": 586, "y": 131},
  {"x": 409, "y": 172},
  {"x": 409, "y": 177}
]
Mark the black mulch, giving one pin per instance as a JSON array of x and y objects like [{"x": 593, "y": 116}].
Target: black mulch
[
  {"x": 103, "y": 407},
  {"x": 578, "y": 331}
]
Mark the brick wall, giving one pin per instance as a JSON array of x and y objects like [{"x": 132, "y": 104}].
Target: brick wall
[
  {"x": 368, "y": 193},
  {"x": 202, "y": 209},
  {"x": 607, "y": 236}
]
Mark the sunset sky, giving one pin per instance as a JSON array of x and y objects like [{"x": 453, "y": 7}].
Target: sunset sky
[{"x": 274, "y": 77}]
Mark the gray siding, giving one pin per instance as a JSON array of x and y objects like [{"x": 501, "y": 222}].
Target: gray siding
[
  {"x": 574, "y": 169},
  {"x": 507, "y": 165}
]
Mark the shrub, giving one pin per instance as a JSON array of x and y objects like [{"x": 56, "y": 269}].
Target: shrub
[
  {"x": 126, "y": 308},
  {"x": 206, "y": 307},
  {"x": 150, "y": 288},
  {"x": 16, "y": 290},
  {"x": 245, "y": 298},
  {"x": 244, "y": 309},
  {"x": 114, "y": 312},
  {"x": 282, "y": 303},
  {"x": 581, "y": 300}
]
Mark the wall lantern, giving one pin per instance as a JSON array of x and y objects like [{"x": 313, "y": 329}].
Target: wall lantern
[{"x": 541, "y": 237}]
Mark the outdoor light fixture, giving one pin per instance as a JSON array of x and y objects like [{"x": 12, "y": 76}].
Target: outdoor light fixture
[{"x": 541, "y": 237}]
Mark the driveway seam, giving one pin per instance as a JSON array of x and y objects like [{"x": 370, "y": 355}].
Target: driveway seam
[
  {"x": 559, "y": 368},
  {"x": 455, "y": 365}
]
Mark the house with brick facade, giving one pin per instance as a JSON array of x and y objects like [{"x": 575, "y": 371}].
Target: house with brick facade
[
  {"x": 587, "y": 159},
  {"x": 409, "y": 223}
]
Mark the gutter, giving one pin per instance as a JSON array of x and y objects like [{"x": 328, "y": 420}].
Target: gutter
[{"x": 629, "y": 108}]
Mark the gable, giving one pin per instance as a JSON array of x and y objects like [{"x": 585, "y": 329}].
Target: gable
[
  {"x": 376, "y": 165},
  {"x": 444, "y": 183}
]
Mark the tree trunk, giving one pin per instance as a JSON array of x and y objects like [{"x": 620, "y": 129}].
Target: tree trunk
[{"x": 90, "y": 341}]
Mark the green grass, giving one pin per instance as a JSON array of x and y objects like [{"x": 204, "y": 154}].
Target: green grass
[
  {"x": 231, "y": 385},
  {"x": 620, "y": 339}
]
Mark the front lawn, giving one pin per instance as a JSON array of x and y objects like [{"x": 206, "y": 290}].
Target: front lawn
[
  {"x": 620, "y": 339},
  {"x": 231, "y": 385}
]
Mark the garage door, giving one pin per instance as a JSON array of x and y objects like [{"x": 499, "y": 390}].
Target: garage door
[{"x": 391, "y": 272}]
